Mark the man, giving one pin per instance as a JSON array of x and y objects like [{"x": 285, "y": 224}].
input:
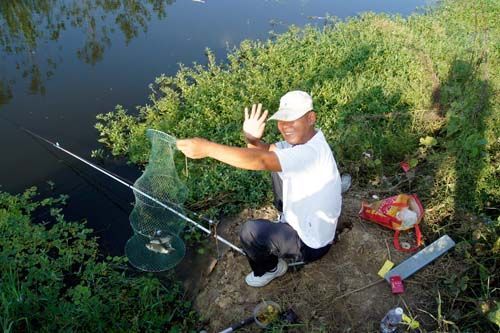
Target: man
[{"x": 306, "y": 184}]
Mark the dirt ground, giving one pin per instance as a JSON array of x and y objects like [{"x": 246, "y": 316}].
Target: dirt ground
[{"x": 338, "y": 293}]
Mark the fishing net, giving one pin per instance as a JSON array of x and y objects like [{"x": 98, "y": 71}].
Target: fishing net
[{"x": 156, "y": 244}]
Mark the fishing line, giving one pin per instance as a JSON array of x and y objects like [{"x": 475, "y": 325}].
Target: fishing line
[
  {"x": 101, "y": 188},
  {"x": 87, "y": 178},
  {"x": 127, "y": 183}
]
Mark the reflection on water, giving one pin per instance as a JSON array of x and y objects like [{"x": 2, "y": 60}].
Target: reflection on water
[
  {"x": 24, "y": 25},
  {"x": 64, "y": 61}
]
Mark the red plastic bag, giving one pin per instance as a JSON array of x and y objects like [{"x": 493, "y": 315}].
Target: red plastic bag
[{"x": 388, "y": 213}]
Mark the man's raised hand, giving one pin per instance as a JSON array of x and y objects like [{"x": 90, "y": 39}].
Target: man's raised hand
[{"x": 254, "y": 123}]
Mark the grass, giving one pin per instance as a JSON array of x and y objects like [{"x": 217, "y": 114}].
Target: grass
[
  {"x": 54, "y": 279},
  {"x": 386, "y": 89}
]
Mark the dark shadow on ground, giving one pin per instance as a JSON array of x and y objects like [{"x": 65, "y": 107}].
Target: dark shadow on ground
[{"x": 465, "y": 97}]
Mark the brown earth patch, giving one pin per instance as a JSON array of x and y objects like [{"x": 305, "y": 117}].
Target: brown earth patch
[{"x": 338, "y": 293}]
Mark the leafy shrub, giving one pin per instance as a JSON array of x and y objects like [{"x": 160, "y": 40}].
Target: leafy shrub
[
  {"x": 54, "y": 280},
  {"x": 386, "y": 89},
  {"x": 379, "y": 83}
]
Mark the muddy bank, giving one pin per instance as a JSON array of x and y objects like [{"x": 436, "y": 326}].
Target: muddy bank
[{"x": 330, "y": 295}]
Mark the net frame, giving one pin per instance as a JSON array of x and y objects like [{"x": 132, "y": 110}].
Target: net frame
[{"x": 149, "y": 219}]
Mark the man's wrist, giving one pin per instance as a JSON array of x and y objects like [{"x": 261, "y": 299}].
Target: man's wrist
[
  {"x": 210, "y": 147},
  {"x": 252, "y": 140}
]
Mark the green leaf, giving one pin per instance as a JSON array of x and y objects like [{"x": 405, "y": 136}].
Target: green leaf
[
  {"x": 494, "y": 316},
  {"x": 428, "y": 141}
]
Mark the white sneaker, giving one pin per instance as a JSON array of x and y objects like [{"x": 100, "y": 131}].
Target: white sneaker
[{"x": 261, "y": 281}]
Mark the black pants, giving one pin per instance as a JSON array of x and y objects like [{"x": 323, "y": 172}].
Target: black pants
[{"x": 265, "y": 241}]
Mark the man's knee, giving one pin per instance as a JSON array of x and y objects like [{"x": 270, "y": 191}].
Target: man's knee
[
  {"x": 250, "y": 230},
  {"x": 247, "y": 232}
]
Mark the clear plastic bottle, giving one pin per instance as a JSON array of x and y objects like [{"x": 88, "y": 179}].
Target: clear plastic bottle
[
  {"x": 346, "y": 180},
  {"x": 389, "y": 323}
]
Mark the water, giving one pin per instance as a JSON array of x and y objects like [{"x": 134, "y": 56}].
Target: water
[{"x": 62, "y": 62}]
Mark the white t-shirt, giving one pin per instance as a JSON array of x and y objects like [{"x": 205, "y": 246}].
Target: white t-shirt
[{"x": 311, "y": 189}]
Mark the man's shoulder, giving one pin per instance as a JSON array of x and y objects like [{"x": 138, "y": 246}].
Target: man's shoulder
[
  {"x": 319, "y": 137},
  {"x": 319, "y": 143},
  {"x": 282, "y": 145}
]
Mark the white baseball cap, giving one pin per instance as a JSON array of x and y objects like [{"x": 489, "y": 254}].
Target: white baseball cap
[{"x": 293, "y": 105}]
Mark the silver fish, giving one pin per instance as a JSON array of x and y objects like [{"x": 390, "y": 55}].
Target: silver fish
[
  {"x": 159, "y": 248},
  {"x": 162, "y": 240}
]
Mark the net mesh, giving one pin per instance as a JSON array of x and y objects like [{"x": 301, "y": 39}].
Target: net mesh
[{"x": 156, "y": 244}]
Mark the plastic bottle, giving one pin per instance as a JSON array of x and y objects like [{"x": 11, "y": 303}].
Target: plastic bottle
[
  {"x": 346, "y": 180},
  {"x": 389, "y": 323}
]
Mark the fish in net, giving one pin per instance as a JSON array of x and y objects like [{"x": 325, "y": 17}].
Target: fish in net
[
  {"x": 156, "y": 244},
  {"x": 158, "y": 217}
]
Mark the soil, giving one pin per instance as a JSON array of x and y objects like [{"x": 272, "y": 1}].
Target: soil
[{"x": 341, "y": 292}]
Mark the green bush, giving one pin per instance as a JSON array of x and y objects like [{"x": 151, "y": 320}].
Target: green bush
[
  {"x": 380, "y": 84},
  {"x": 54, "y": 280},
  {"x": 424, "y": 89}
]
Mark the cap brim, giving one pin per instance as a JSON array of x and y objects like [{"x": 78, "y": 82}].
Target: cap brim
[{"x": 286, "y": 115}]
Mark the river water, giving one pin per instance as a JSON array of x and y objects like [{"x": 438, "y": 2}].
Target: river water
[{"x": 62, "y": 62}]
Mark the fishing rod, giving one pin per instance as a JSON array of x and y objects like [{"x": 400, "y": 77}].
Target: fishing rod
[{"x": 123, "y": 182}]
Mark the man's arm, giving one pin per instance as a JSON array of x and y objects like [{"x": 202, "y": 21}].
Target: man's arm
[
  {"x": 243, "y": 158},
  {"x": 259, "y": 144}
]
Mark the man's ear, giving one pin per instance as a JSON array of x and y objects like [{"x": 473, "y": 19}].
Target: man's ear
[{"x": 311, "y": 117}]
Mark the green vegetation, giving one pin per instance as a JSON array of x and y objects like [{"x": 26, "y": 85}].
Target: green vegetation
[
  {"x": 53, "y": 279},
  {"x": 386, "y": 89},
  {"x": 420, "y": 89}
]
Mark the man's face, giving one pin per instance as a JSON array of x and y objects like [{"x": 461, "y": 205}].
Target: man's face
[{"x": 298, "y": 131}]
